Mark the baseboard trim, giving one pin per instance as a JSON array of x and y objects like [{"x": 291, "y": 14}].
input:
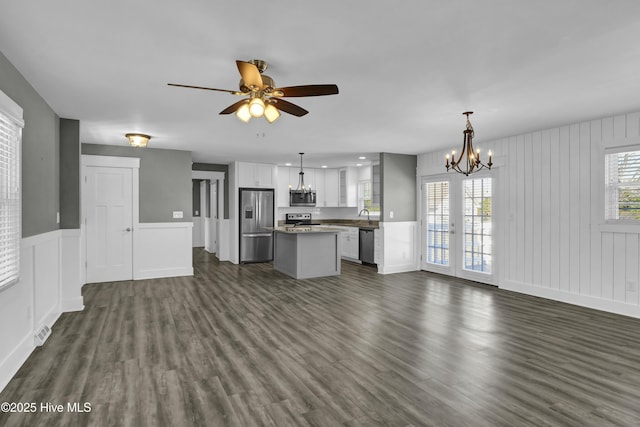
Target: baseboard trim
[
  {"x": 72, "y": 304},
  {"x": 405, "y": 268},
  {"x": 14, "y": 361},
  {"x": 570, "y": 298}
]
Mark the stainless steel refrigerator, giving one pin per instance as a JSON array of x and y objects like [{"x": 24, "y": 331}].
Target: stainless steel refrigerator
[{"x": 256, "y": 217}]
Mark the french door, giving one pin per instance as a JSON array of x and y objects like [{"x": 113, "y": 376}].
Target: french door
[{"x": 457, "y": 226}]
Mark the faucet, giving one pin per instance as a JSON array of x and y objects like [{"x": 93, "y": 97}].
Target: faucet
[{"x": 367, "y": 211}]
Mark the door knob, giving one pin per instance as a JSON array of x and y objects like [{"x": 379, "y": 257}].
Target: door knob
[{"x": 128, "y": 229}]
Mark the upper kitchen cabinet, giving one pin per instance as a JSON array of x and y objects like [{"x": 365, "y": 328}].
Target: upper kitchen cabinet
[
  {"x": 256, "y": 175},
  {"x": 347, "y": 187},
  {"x": 375, "y": 184},
  {"x": 331, "y": 188},
  {"x": 326, "y": 181},
  {"x": 283, "y": 186}
]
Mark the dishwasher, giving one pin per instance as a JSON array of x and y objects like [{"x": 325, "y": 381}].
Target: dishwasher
[{"x": 366, "y": 245}]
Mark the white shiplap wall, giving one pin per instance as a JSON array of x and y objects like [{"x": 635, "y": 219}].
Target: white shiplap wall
[{"x": 550, "y": 193}]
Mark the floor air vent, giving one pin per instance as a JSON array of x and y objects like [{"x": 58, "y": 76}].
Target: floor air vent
[{"x": 42, "y": 336}]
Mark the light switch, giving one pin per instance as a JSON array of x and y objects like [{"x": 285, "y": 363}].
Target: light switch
[
  {"x": 390, "y": 214},
  {"x": 178, "y": 214}
]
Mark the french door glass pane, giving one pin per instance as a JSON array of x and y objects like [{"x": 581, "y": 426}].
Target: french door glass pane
[
  {"x": 477, "y": 224},
  {"x": 437, "y": 216}
]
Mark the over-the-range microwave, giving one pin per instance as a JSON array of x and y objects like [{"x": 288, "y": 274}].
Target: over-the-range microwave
[{"x": 302, "y": 198}]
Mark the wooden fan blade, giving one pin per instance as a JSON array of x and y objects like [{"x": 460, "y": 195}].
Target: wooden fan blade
[
  {"x": 234, "y": 107},
  {"x": 308, "y": 90},
  {"x": 250, "y": 74},
  {"x": 288, "y": 107},
  {"x": 235, "y": 92}
]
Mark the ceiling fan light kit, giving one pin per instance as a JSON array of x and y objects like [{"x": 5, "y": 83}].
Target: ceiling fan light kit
[
  {"x": 264, "y": 99},
  {"x": 138, "y": 139},
  {"x": 469, "y": 160},
  {"x": 243, "y": 113}
]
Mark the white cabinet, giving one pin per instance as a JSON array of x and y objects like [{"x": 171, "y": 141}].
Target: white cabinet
[
  {"x": 326, "y": 186},
  {"x": 347, "y": 187},
  {"x": 256, "y": 175},
  {"x": 349, "y": 237},
  {"x": 283, "y": 186},
  {"x": 331, "y": 188},
  {"x": 320, "y": 188}
]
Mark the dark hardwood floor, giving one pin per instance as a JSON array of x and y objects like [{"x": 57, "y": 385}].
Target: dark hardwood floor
[{"x": 248, "y": 346}]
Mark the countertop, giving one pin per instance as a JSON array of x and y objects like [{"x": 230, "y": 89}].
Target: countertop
[
  {"x": 360, "y": 223},
  {"x": 305, "y": 229}
]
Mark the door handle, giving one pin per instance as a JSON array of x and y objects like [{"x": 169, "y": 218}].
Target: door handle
[{"x": 128, "y": 229}]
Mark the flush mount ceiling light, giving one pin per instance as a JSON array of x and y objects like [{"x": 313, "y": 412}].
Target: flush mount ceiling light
[
  {"x": 264, "y": 98},
  {"x": 138, "y": 139},
  {"x": 469, "y": 160}
]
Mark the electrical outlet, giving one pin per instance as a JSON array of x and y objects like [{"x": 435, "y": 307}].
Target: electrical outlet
[{"x": 178, "y": 214}]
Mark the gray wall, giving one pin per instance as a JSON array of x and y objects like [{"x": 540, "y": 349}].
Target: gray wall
[
  {"x": 165, "y": 179},
  {"x": 40, "y": 153},
  {"x": 398, "y": 187},
  {"x": 210, "y": 167},
  {"x": 69, "y": 173}
]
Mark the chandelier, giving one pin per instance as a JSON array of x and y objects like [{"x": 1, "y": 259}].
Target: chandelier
[{"x": 469, "y": 160}]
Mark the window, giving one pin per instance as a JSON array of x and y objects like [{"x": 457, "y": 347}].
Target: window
[
  {"x": 10, "y": 193},
  {"x": 477, "y": 224},
  {"x": 366, "y": 198},
  {"x": 622, "y": 198},
  {"x": 436, "y": 198}
]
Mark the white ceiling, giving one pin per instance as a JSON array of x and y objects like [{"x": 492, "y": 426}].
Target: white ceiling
[{"x": 406, "y": 69}]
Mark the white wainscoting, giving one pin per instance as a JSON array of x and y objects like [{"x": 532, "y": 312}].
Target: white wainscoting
[
  {"x": 49, "y": 285},
  {"x": 71, "y": 270},
  {"x": 162, "y": 250},
  {"x": 399, "y": 242},
  {"x": 197, "y": 233},
  {"x": 553, "y": 242}
]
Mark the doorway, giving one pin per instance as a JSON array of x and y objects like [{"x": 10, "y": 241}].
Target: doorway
[
  {"x": 109, "y": 216},
  {"x": 210, "y": 228},
  {"x": 457, "y": 226}
]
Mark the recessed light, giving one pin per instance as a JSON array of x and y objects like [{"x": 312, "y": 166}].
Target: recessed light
[
  {"x": 359, "y": 164},
  {"x": 324, "y": 166},
  {"x": 362, "y": 158},
  {"x": 287, "y": 164}
]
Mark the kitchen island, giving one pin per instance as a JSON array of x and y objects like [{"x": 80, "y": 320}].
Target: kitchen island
[{"x": 304, "y": 252}]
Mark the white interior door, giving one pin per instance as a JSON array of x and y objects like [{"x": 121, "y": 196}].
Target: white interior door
[
  {"x": 213, "y": 229},
  {"x": 457, "y": 227},
  {"x": 204, "y": 212},
  {"x": 109, "y": 224}
]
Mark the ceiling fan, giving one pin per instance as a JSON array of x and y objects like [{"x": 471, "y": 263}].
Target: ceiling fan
[{"x": 262, "y": 97}]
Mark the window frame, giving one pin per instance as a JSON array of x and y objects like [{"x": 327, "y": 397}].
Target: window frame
[
  {"x": 615, "y": 222},
  {"x": 361, "y": 199},
  {"x": 12, "y": 113}
]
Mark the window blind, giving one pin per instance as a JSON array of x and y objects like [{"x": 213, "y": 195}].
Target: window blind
[{"x": 10, "y": 199}]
